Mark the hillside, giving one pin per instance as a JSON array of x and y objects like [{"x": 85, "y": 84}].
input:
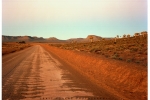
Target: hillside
[{"x": 95, "y": 38}]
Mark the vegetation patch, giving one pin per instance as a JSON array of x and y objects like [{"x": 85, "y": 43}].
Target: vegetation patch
[
  {"x": 10, "y": 47},
  {"x": 124, "y": 47}
]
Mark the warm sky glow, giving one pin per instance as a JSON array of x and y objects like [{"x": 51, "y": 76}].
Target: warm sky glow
[{"x": 66, "y": 19}]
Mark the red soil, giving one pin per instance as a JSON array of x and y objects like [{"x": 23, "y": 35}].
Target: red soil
[{"x": 127, "y": 80}]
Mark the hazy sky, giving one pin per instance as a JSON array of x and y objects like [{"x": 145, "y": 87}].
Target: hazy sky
[{"x": 66, "y": 19}]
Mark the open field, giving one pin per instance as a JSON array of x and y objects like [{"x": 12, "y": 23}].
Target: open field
[
  {"x": 10, "y": 47},
  {"x": 131, "y": 50}
]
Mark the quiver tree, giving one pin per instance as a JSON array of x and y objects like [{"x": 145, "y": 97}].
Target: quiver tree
[{"x": 117, "y": 36}]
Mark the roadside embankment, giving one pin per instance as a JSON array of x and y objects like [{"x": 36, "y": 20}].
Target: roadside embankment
[{"x": 127, "y": 80}]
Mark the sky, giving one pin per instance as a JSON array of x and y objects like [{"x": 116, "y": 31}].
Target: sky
[{"x": 66, "y": 19}]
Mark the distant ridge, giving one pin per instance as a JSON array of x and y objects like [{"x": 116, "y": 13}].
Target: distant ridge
[
  {"x": 50, "y": 39},
  {"x": 20, "y": 38}
]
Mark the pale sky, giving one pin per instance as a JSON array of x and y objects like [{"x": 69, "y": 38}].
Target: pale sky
[{"x": 66, "y": 19}]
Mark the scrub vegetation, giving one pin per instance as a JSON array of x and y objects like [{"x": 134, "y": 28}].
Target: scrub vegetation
[
  {"x": 128, "y": 49},
  {"x": 10, "y": 47}
]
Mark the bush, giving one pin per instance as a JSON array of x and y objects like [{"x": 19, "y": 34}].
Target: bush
[
  {"x": 134, "y": 49},
  {"x": 22, "y": 42},
  {"x": 120, "y": 58},
  {"x": 129, "y": 60}
]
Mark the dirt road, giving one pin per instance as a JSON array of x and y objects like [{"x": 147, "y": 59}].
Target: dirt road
[{"x": 34, "y": 73}]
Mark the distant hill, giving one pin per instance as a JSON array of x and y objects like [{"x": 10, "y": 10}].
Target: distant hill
[
  {"x": 30, "y": 39},
  {"x": 20, "y": 38},
  {"x": 51, "y": 39},
  {"x": 87, "y": 39},
  {"x": 95, "y": 38},
  {"x": 75, "y": 39},
  {"x": 54, "y": 40}
]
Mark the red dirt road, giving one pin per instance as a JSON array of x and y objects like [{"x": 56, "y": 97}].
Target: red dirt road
[{"x": 34, "y": 73}]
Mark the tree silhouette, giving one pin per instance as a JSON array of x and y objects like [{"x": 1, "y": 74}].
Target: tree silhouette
[
  {"x": 124, "y": 36},
  {"x": 117, "y": 36}
]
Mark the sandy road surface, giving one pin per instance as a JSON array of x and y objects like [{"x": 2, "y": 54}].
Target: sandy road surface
[{"x": 34, "y": 73}]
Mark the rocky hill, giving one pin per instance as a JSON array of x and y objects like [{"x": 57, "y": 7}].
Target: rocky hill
[
  {"x": 95, "y": 38},
  {"x": 54, "y": 40},
  {"x": 75, "y": 40},
  {"x": 87, "y": 39}
]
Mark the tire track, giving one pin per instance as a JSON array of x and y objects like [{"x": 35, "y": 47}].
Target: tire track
[
  {"x": 8, "y": 65},
  {"x": 39, "y": 75}
]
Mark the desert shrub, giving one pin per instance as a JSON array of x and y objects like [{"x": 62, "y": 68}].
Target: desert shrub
[
  {"x": 144, "y": 64},
  {"x": 134, "y": 49},
  {"x": 145, "y": 52},
  {"x": 23, "y": 42},
  {"x": 109, "y": 48},
  {"x": 129, "y": 60},
  {"x": 115, "y": 56},
  {"x": 142, "y": 44},
  {"x": 140, "y": 52},
  {"x": 137, "y": 62},
  {"x": 93, "y": 50},
  {"x": 106, "y": 55},
  {"x": 120, "y": 58}
]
